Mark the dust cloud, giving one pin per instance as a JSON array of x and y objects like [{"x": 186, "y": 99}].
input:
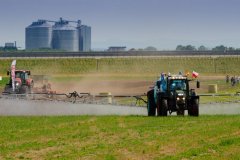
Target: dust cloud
[
  {"x": 25, "y": 107},
  {"x": 116, "y": 87},
  {"x": 30, "y": 107},
  {"x": 219, "y": 108}
]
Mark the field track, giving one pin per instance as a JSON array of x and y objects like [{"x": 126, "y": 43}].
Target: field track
[{"x": 23, "y": 107}]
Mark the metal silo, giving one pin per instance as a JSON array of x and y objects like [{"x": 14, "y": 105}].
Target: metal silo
[
  {"x": 65, "y": 37},
  {"x": 38, "y": 35},
  {"x": 84, "y": 38}
]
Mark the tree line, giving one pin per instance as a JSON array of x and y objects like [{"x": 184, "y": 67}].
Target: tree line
[{"x": 220, "y": 48}]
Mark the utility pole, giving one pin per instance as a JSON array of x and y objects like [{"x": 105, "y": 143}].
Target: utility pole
[
  {"x": 97, "y": 66},
  {"x": 214, "y": 65}
]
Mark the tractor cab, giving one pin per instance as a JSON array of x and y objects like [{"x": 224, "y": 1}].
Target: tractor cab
[
  {"x": 20, "y": 75},
  {"x": 23, "y": 75},
  {"x": 177, "y": 84},
  {"x": 177, "y": 91}
]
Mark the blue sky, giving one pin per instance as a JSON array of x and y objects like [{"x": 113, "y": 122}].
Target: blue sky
[{"x": 132, "y": 23}]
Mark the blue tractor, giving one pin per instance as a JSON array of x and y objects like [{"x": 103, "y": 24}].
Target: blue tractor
[{"x": 172, "y": 94}]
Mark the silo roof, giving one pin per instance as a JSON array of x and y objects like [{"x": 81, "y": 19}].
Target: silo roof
[
  {"x": 39, "y": 23},
  {"x": 63, "y": 27}
]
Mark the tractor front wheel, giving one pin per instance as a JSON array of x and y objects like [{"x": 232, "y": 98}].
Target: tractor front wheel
[
  {"x": 25, "y": 90},
  {"x": 194, "y": 108},
  {"x": 162, "y": 107}
]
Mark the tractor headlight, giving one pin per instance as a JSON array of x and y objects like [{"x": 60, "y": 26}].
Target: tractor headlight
[
  {"x": 17, "y": 84},
  {"x": 180, "y": 98}
]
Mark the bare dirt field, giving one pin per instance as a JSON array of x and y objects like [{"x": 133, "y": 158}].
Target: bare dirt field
[
  {"x": 116, "y": 87},
  {"x": 120, "y": 87}
]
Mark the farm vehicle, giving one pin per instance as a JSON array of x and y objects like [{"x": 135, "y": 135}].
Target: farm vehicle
[
  {"x": 21, "y": 84},
  {"x": 172, "y": 94}
]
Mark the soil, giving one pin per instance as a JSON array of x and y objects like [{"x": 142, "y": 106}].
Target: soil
[
  {"x": 121, "y": 87},
  {"x": 115, "y": 87}
]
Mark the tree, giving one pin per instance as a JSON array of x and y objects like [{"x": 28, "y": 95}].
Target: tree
[
  {"x": 132, "y": 49},
  {"x": 220, "y": 48},
  {"x": 231, "y": 49},
  {"x": 202, "y": 48},
  {"x": 185, "y": 48},
  {"x": 190, "y": 48},
  {"x": 179, "y": 48},
  {"x": 150, "y": 48}
]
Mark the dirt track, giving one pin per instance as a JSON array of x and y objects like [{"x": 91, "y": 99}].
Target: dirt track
[{"x": 23, "y": 107}]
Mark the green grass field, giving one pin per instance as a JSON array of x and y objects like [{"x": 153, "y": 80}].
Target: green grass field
[
  {"x": 142, "y": 65},
  {"x": 120, "y": 137}
]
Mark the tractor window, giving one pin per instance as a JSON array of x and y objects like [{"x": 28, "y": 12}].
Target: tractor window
[
  {"x": 22, "y": 75},
  {"x": 26, "y": 76},
  {"x": 18, "y": 75},
  {"x": 177, "y": 84}
]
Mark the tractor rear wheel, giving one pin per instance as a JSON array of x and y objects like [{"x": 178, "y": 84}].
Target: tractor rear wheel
[
  {"x": 151, "y": 106},
  {"x": 194, "y": 108},
  {"x": 7, "y": 88},
  {"x": 31, "y": 85}
]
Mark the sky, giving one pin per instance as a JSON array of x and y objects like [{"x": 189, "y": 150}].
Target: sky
[{"x": 163, "y": 24}]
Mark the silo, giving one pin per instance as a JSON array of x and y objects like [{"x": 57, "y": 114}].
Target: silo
[
  {"x": 65, "y": 37},
  {"x": 38, "y": 35},
  {"x": 84, "y": 38}
]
